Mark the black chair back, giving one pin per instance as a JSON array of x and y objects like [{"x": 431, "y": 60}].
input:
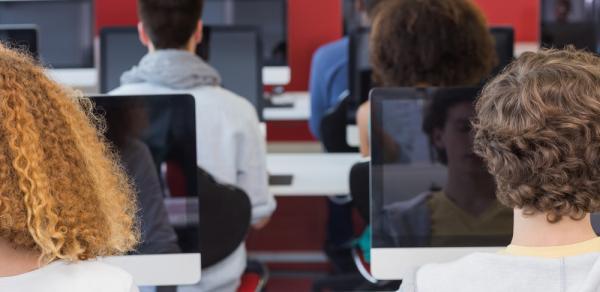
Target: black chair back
[{"x": 333, "y": 128}]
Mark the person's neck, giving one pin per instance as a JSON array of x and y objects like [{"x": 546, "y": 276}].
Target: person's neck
[
  {"x": 20, "y": 261},
  {"x": 190, "y": 47},
  {"x": 471, "y": 193},
  {"x": 535, "y": 230}
]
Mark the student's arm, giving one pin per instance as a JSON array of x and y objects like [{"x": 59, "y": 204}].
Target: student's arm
[
  {"x": 158, "y": 236},
  {"x": 318, "y": 95},
  {"x": 363, "y": 117},
  {"x": 252, "y": 174}
]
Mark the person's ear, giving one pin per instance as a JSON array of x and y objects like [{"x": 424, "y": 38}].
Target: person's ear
[
  {"x": 143, "y": 36},
  {"x": 198, "y": 33},
  {"x": 438, "y": 138}
]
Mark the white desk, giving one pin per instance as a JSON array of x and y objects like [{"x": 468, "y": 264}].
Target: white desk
[
  {"x": 352, "y": 135},
  {"x": 300, "y": 111},
  {"x": 84, "y": 79},
  {"x": 314, "y": 174},
  {"x": 522, "y": 47}
]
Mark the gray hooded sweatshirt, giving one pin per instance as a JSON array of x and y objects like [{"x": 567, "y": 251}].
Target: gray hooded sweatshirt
[{"x": 498, "y": 272}]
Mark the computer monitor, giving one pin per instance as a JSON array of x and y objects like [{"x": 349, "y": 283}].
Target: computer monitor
[
  {"x": 23, "y": 37},
  {"x": 360, "y": 71},
  {"x": 66, "y": 29},
  {"x": 570, "y": 22},
  {"x": 154, "y": 137},
  {"x": 268, "y": 16},
  {"x": 433, "y": 199},
  {"x": 504, "y": 37},
  {"x": 233, "y": 51},
  {"x": 359, "y": 66}
]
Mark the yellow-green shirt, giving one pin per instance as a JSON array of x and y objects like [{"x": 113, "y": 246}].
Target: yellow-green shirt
[
  {"x": 452, "y": 225},
  {"x": 585, "y": 247}
]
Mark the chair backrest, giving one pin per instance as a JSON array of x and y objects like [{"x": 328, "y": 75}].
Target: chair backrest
[
  {"x": 333, "y": 128},
  {"x": 225, "y": 214},
  {"x": 359, "y": 189}
]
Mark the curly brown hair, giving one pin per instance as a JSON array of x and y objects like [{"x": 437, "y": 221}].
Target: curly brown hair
[
  {"x": 538, "y": 129},
  {"x": 62, "y": 193},
  {"x": 441, "y": 43}
]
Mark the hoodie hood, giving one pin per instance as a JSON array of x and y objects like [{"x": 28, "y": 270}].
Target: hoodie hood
[{"x": 176, "y": 69}]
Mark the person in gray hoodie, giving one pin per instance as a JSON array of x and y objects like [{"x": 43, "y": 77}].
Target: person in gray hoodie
[
  {"x": 230, "y": 145},
  {"x": 537, "y": 127}
]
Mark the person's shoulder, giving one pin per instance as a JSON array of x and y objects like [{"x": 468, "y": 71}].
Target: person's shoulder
[
  {"x": 93, "y": 273},
  {"x": 139, "y": 88},
  {"x": 408, "y": 205},
  {"x": 216, "y": 97},
  {"x": 468, "y": 270},
  {"x": 333, "y": 49}
]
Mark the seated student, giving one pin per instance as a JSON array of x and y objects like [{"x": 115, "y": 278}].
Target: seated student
[
  {"x": 427, "y": 43},
  {"x": 230, "y": 145},
  {"x": 466, "y": 207},
  {"x": 328, "y": 83},
  {"x": 424, "y": 43},
  {"x": 538, "y": 129},
  {"x": 329, "y": 70},
  {"x": 64, "y": 201}
]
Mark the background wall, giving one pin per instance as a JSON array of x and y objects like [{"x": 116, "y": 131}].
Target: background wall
[{"x": 314, "y": 22}]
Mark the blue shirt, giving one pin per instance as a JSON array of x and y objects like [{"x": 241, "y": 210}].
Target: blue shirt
[{"x": 328, "y": 80}]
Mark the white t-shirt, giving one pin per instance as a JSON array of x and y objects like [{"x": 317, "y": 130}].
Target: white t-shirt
[{"x": 60, "y": 276}]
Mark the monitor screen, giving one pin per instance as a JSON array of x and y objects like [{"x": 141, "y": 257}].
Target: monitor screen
[
  {"x": 66, "y": 29},
  {"x": 120, "y": 50},
  {"x": 429, "y": 189},
  {"x": 232, "y": 51},
  {"x": 351, "y": 18},
  {"x": 22, "y": 37},
  {"x": 155, "y": 139},
  {"x": 359, "y": 66},
  {"x": 504, "y": 38},
  {"x": 268, "y": 16},
  {"x": 569, "y": 22}
]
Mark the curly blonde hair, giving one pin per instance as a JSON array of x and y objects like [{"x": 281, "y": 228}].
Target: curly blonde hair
[
  {"x": 538, "y": 129},
  {"x": 62, "y": 193}
]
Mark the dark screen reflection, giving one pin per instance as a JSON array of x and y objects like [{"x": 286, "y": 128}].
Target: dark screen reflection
[
  {"x": 569, "y": 22},
  {"x": 155, "y": 138},
  {"x": 429, "y": 188},
  {"x": 22, "y": 37}
]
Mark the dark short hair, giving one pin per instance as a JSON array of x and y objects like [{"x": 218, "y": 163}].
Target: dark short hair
[
  {"x": 437, "y": 42},
  {"x": 435, "y": 116},
  {"x": 170, "y": 23}
]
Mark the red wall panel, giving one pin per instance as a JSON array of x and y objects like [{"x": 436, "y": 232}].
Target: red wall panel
[
  {"x": 523, "y": 15},
  {"x": 115, "y": 12},
  {"x": 311, "y": 23}
]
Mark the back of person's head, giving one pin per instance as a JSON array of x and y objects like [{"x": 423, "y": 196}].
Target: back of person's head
[
  {"x": 433, "y": 42},
  {"x": 538, "y": 128},
  {"x": 62, "y": 193},
  {"x": 170, "y": 23}
]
